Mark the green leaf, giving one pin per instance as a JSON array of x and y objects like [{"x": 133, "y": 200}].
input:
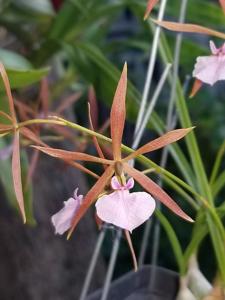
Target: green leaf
[
  {"x": 12, "y": 60},
  {"x": 22, "y": 78},
  {"x": 37, "y": 7},
  {"x": 218, "y": 184},
  {"x": 173, "y": 240}
]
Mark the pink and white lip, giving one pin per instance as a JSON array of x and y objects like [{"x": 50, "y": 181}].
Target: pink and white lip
[{"x": 124, "y": 209}]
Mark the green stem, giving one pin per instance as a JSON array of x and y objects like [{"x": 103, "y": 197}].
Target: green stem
[
  {"x": 173, "y": 240},
  {"x": 217, "y": 163}
]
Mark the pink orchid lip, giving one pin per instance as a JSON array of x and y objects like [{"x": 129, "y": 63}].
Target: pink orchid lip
[{"x": 124, "y": 209}]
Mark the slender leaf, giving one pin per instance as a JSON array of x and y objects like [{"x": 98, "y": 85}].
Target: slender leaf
[{"x": 173, "y": 240}]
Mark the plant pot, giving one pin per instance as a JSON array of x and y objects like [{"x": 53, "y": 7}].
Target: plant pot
[{"x": 136, "y": 285}]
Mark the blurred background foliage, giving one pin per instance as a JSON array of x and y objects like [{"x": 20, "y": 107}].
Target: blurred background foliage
[{"x": 86, "y": 43}]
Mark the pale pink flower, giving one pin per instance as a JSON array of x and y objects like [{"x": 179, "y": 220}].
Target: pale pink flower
[
  {"x": 210, "y": 69},
  {"x": 124, "y": 209},
  {"x": 62, "y": 219}
]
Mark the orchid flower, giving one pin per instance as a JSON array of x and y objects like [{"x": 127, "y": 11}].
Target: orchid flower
[
  {"x": 210, "y": 69},
  {"x": 63, "y": 218},
  {"x": 119, "y": 165},
  {"x": 124, "y": 209}
]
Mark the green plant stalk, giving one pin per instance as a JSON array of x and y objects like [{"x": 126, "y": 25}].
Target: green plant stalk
[
  {"x": 173, "y": 240},
  {"x": 217, "y": 163},
  {"x": 185, "y": 120},
  {"x": 218, "y": 239},
  {"x": 218, "y": 243},
  {"x": 199, "y": 232},
  {"x": 218, "y": 184}
]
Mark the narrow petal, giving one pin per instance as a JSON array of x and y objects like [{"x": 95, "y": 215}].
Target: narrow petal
[
  {"x": 95, "y": 140},
  {"x": 5, "y": 115},
  {"x": 124, "y": 209},
  {"x": 82, "y": 168},
  {"x": 94, "y": 107},
  {"x": 68, "y": 102},
  {"x": 4, "y": 128},
  {"x": 32, "y": 167},
  {"x": 30, "y": 135},
  {"x": 150, "y": 5},
  {"x": 118, "y": 114},
  {"x": 210, "y": 69},
  {"x": 162, "y": 141},
  {"x": 8, "y": 92},
  {"x": 155, "y": 190},
  {"x": 222, "y": 3},
  {"x": 16, "y": 174},
  {"x": 69, "y": 155},
  {"x": 44, "y": 96},
  {"x": 196, "y": 87},
  {"x": 91, "y": 196},
  {"x": 193, "y": 28}
]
